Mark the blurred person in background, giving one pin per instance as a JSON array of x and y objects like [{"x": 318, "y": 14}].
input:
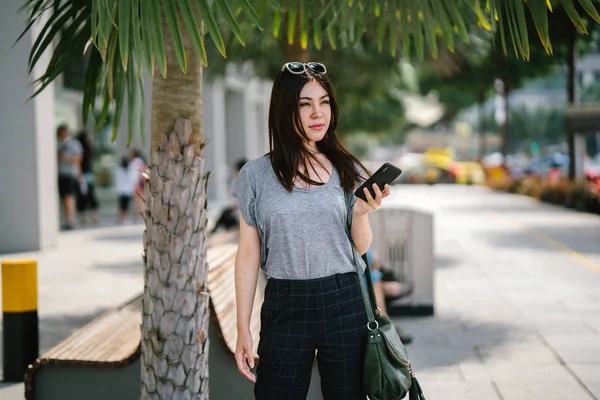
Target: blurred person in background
[
  {"x": 387, "y": 289},
  {"x": 554, "y": 174},
  {"x": 125, "y": 188},
  {"x": 229, "y": 218},
  {"x": 69, "y": 153},
  {"x": 138, "y": 170},
  {"x": 86, "y": 195}
]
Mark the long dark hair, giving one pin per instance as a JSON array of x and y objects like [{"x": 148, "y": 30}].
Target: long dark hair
[
  {"x": 88, "y": 150},
  {"x": 287, "y": 136}
]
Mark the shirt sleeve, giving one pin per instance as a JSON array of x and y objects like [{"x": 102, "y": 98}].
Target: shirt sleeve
[{"x": 243, "y": 192}]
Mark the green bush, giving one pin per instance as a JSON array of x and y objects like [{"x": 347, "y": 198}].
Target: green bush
[
  {"x": 581, "y": 196},
  {"x": 578, "y": 197}
]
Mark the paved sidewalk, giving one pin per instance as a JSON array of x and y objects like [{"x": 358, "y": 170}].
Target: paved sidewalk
[
  {"x": 517, "y": 311},
  {"x": 88, "y": 272},
  {"x": 517, "y": 315},
  {"x": 91, "y": 270}
]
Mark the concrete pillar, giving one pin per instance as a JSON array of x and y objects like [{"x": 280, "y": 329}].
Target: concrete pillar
[
  {"x": 264, "y": 92},
  {"x": 262, "y": 130},
  {"x": 579, "y": 141},
  {"x": 257, "y": 95},
  {"x": 28, "y": 171},
  {"x": 251, "y": 127},
  {"x": 235, "y": 124},
  {"x": 215, "y": 151}
]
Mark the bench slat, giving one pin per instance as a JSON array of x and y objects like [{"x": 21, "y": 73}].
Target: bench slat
[
  {"x": 108, "y": 328},
  {"x": 115, "y": 336}
]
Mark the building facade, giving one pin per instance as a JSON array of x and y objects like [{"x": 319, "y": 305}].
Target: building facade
[{"x": 235, "y": 111}]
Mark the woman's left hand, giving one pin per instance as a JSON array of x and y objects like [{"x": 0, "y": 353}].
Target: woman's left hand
[{"x": 364, "y": 207}]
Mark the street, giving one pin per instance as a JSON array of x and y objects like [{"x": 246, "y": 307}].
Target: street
[
  {"x": 517, "y": 294},
  {"x": 517, "y": 298}
]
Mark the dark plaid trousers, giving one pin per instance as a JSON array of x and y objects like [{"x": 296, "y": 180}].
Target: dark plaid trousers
[{"x": 301, "y": 316}]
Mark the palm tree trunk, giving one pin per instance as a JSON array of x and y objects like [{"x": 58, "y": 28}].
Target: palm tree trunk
[
  {"x": 175, "y": 305},
  {"x": 295, "y": 52}
]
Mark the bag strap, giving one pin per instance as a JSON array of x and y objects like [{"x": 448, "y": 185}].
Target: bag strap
[
  {"x": 368, "y": 292},
  {"x": 370, "y": 287}
]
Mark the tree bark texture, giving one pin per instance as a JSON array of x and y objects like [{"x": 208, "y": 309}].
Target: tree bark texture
[
  {"x": 175, "y": 302},
  {"x": 179, "y": 94}
]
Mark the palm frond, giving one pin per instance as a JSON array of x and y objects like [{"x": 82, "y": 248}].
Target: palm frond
[
  {"x": 128, "y": 34},
  {"x": 416, "y": 23}
]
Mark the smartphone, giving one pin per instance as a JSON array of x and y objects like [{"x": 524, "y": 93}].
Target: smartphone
[{"x": 386, "y": 174}]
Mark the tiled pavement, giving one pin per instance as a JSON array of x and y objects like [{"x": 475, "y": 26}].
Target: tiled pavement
[
  {"x": 517, "y": 300},
  {"x": 517, "y": 313}
]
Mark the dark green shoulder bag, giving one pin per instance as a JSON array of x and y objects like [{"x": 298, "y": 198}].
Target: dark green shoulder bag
[{"x": 387, "y": 372}]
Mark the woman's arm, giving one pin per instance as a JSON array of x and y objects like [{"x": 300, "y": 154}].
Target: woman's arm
[
  {"x": 361, "y": 232},
  {"x": 247, "y": 263},
  {"x": 362, "y": 236}
]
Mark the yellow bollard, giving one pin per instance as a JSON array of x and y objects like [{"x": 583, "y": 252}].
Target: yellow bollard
[{"x": 19, "y": 317}]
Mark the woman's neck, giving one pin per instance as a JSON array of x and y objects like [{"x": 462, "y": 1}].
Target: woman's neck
[
  {"x": 312, "y": 147},
  {"x": 317, "y": 157}
]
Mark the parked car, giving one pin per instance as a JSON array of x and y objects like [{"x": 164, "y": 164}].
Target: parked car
[
  {"x": 469, "y": 173},
  {"x": 541, "y": 166}
]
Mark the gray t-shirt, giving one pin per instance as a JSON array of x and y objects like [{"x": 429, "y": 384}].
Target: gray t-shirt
[
  {"x": 303, "y": 233},
  {"x": 70, "y": 147}
]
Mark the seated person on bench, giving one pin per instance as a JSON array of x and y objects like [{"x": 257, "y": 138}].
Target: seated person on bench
[
  {"x": 229, "y": 219},
  {"x": 387, "y": 289}
]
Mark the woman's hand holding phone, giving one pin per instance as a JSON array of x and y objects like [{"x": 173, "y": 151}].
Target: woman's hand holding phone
[
  {"x": 379, "y": 182},
  {"x": 363, "y": 207}
]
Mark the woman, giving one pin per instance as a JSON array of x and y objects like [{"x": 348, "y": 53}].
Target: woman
[
  {"x": 86, "y": 195},
  {"x": 293, "y": 225},
  {"x": 138, "y": 170},
  {"x": 125, "y": 188}
]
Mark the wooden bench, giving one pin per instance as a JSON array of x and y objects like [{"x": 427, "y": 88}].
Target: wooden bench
[
  {"x": 101, "y": 360},
  {"x": 222, "y": 293}
]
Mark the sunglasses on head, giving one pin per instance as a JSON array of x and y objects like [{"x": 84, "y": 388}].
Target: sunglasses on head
[{"x": 298, "y": 68}]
